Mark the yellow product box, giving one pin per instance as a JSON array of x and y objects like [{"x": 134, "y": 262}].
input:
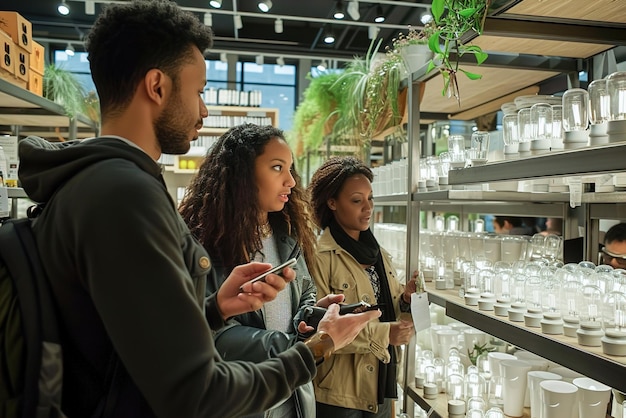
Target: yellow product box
[
  {"x": 35, "y": 82},
  {"x": 7, "y": 61},
  {"x": 22, "y": 63},
  {"x": 38, "y": 57},
  {"x": 18, "y": 28}
]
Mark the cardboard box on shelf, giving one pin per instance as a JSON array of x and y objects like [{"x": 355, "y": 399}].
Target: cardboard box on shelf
[
  {"x": 35, "y": 82},
  {"x": 18, "y": 28},
  {"x": 7, "y": 61},
  {"x": 22, "y": 63},
  {"x": 38, "y": 58}
]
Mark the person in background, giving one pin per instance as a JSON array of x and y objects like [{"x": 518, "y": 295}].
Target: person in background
[
  {"x": 359, "y": 380},
  {"x": 510, "y": 225},
  {"x": 127, "y": 276},
  {"x": 614, "y": 250},
  {"x": 249, "y": 182},
  {"x": 554, "y": 226}
]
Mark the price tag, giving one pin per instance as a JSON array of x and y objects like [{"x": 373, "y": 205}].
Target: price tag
[{"x": 420, "y": 311}]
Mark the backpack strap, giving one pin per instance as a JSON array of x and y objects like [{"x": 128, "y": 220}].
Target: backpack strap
[{"x": 44, "y": 358}]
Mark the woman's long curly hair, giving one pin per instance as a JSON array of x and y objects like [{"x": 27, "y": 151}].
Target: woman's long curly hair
[
  {"x": 221, "y": 204},
  {"x": 327, "y": 181}
]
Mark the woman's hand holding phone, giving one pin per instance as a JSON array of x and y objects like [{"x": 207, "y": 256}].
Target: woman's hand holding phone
[{"x": 240, "y": 293}]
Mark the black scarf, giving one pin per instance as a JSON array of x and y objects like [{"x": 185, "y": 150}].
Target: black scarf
[{"x": 367, "y": 252}]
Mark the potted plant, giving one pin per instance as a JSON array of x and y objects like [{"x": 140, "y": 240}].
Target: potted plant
[
  {"x": 413, "y": 47},
  {"x": 62, "y": 86},
  {"x": 452, "y": 19}
]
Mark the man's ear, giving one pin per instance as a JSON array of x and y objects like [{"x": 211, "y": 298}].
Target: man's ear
[{"x": 155, "y": 82}]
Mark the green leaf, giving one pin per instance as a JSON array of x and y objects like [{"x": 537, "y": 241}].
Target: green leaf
[
  {"x": 481, "y": 57},
  {"x": 471, "y": 76},
  {"x": 431, "y": 66},
  {"x": 437, "y": 9},
  {"x": 433, "y": 43},
  {"x": 467, "y": 12}
]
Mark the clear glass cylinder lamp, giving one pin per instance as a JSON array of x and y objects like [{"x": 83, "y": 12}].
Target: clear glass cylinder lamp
[
  {"x": 599, "y": 103},
  {"x": 575, "y": 118},
  {"x": 557, "y": 127},
  {"x": 541, "y": 122},
  {"x": 616, "y": 87},
  {"x": 524, "y": 129},
  {"x": 510, "y": 134}
]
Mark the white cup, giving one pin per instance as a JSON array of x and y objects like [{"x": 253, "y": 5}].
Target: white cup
[
  {"x": 558, "y": 399},
  {"x": 534, "y": 378},
  {"x": 536, "y": 363},
  {"x": 514, "y": 385},
  {"x": 495, "y": 357},
  {"x": 593, "y": 397}
]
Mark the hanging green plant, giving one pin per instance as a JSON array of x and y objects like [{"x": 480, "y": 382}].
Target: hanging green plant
[
  {"x": 62, "y": 87},
  {"x": 453, "y": 18}
]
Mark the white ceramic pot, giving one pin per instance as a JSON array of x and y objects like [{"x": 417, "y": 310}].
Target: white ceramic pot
[{"x": 558, "y": 399}]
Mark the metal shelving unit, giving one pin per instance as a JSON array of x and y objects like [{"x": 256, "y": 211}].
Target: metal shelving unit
[{"x": 25, "y": 113}]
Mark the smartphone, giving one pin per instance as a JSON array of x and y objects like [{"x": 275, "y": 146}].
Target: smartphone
[
  {"x": 357, "y": 308},
  {"x": 274, "y": 270}
]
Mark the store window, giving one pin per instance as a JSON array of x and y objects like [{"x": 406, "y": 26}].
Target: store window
[
  {"x": 77, "y": 64},
  {"x": 277, "y": 84}
]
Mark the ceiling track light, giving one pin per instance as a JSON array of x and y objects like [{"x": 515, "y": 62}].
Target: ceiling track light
[
  {"x": 69, "y": 49},
  {"x": 278, "y": 25},
  {"x": 322, "y": 66},
  {"x": 223, "y": 57},
  {"x": 265, "y": 5},
  {"x": 63, "y": 8},
  {"x": 280, "y": 61},
  {"x": 329, "y": 37},
  {"x": 426, "y": 17},
  {"x": 379, "y": 17},
  {"x": 238, "y": 22},
  {"x": 217, "y": 4},
  {"x": 372, "y": 32},
  {"x": 339, "y": 14},
  {"x": 259, "y": 60},
  {"x": 90, "y": 7},
  {"x": 208, "y": 19},
  {"x": 353, "y": 10}
]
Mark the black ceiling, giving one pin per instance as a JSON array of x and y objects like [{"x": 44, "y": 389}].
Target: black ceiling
[{"x": 302, "y": 33}]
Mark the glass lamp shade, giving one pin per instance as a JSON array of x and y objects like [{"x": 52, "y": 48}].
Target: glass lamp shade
[
  {"x": 532, "y": 290},
  {"x": 572, "y": 301},
  {"x": 616, "y": 86},
  {"x": 616, "y": 126},
  {"x": 510, "y": 133},
  {"x": 541, "y": 121},
  {"x": 592, "y": 303},
  {"x": 518, "y": 294},
  {"x": 614, "y": 311},
  {"x": 557, "y": 121},
  {"x": 575, "y": 115},
  {"x": 524, "y": 125},
  {"x": 599, "y": 101},
  {"x": 452, "y": 223},
  {"x": 486, "y": 282}
]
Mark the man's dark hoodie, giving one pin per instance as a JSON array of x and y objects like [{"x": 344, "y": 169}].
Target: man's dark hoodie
[{"x": 128, "y": 276}]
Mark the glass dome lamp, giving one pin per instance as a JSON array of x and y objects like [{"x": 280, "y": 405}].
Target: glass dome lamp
[
  {"x": 541, "y": 123},
  {"x": 571, "y": 305},
  {"x": 599, "y": 103},
  {"x": 452, "y": 223},
  {"x": 510, "y": 134},
  {"x": 592, "y": 304},
  {"x": 557, "y": 127},
  {"x": 614, "y": 323},
  {"x": 575, "y": 118},
  {"x": 443, "y": 168},
  {"x": 456, "y": 149},
  {"x": 616, "y": 87},
  {"x": 455, "y": 392},
  {"x": 524, "y": 129}
]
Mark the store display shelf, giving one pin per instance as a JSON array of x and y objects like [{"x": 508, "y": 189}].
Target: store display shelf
[
  {"x": 24, "y": 108},
  {"x": 589, "y": 361},
  {"x": 437, "y": 408},
  {"x": 481, "y": 196},
  {"x": 602, "y": 159},
  {"x": 16, "y": 193},
  {"x": 399, "y": 199}
]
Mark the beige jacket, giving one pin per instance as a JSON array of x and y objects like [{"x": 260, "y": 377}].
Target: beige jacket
[{"x": 350, "y": 377}]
